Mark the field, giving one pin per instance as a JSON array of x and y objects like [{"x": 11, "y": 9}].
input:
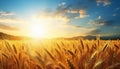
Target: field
[{"x": 60, "y": 54}]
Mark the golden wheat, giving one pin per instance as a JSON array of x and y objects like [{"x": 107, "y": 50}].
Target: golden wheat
[{"x": 60, "y": 54}]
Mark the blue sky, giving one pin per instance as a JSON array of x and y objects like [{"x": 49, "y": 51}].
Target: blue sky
[{"x": 63, "y": 18}]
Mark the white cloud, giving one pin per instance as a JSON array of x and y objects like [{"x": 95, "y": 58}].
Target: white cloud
[
  {"x": 83, "y": 13},
  {"x": 99, "y": 17},
  {"x": 98, "y": 22},
  {"x": 4, "y": 13},
  {"x": 11, "y": 20},
  {"x": 74, "y": 12},
  {"x": 101, "y": 22},
  {"x": 9, "y": 17},
  {"x": 62, "y": 4},
  {"x": 105, "y": 2},
  {"x": 6, "y": 27}
]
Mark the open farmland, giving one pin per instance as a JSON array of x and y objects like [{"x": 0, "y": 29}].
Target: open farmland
[{"x": 60, "y": 54}]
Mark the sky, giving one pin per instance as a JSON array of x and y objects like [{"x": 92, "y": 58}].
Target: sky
[{"x": 60, "y": 18}]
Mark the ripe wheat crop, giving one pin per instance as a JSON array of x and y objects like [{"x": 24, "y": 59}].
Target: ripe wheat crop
[{"x": 60, "y": 54}]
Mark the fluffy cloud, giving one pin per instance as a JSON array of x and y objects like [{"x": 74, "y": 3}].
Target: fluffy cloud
[
  {"x": 62, "y": 4},
  {"x": 82, "y": 14},
  {"x": 62, "y": 10},
  {"x": 9, "y": 17},
  {"x": 79, "y": 13},
  {"x": 4, "y": 13},
  {"x": 105, "y": 2},
  {"x": 95, "y": 32},
  {"x": 51, "y": 18},
  {"x": 100, "y": 22},
  {"x": 98, "y": 32},
  {"x": 6, "y": 27},
  {"x": 71, "y": 11},
  {"x": 10, "y": 20}
]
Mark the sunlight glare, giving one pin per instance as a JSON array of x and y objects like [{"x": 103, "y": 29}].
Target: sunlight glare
[{"x": 37, "y": 31}]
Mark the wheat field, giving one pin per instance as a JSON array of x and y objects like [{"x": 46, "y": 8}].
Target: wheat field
[{"x": 60, "y": 54}]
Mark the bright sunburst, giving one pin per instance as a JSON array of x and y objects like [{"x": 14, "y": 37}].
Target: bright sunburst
[{"x": 37, "y": 31}]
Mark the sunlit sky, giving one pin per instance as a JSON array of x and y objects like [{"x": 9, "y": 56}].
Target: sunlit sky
[{"x": 60, "y": 18}]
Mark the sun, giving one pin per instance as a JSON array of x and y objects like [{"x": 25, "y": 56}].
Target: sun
[{"x": 37, "y": 31}]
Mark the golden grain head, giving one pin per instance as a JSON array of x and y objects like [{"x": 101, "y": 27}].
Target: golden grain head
[{"x": 61, "y": 54}]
